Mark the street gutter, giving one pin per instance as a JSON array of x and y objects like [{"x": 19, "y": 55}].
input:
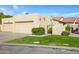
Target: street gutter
[{"x": 41, "y": 46}]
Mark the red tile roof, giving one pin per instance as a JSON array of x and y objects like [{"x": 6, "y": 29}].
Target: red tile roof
[
  {"x": 69, "y": 20},
  {"x": 57, "y": 17}
]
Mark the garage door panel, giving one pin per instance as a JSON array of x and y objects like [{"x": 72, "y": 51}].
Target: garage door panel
[
  {"x": 7, "y": 27},
  {"x": 23, "y": 27}
]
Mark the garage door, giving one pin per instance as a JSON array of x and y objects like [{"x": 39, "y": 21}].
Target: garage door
[
  {"x": 24, "y": 27},
  {"x": 8, "y": 27}
]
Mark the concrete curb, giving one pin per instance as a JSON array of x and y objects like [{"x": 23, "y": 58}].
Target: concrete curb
[{"x": 41, "y": 46}]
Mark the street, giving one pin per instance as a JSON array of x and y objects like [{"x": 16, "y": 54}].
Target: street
[{"x": 6, "y": 49}]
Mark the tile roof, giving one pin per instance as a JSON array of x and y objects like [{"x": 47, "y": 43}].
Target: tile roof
[
  {"x": 57, "y": 17},
  {"x": 67, "y": 20}
]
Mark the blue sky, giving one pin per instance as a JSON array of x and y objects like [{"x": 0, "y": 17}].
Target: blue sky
[{"x": 55, "y": 10}]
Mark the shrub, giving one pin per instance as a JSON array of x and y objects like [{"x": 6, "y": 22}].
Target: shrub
[
  {"x": 49, "y": 30},
  {"x": 68, "y": 28},
  {"x": 38, "y": 31},
  {"x": 65, "y": 33}
]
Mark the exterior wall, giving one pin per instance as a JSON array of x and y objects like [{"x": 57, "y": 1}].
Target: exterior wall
[
  {"x": 42, "y": 21},
  {"x": 25, "y": 25},
  {"x": 72, "y": 25},
  {"x": 22, "y": 24},
  {"x": 7, "y": 25},
  {"x": 57, "y": 28}
]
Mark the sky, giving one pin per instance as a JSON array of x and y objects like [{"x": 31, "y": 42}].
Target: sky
[{"x": 52, "y": 10}]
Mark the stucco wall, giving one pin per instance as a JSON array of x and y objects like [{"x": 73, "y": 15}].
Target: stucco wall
[
  {"x": 21, "y": 27},
  {"x": 57, "y": 28},
  {"x": 73, "y": 25},
  {"x": 7, "y": 27}
]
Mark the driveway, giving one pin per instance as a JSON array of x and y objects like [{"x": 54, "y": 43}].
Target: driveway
[{"x": 6, "y": 36}]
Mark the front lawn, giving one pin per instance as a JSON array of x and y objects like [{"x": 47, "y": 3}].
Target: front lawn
[{"x": 56, "y": 40}]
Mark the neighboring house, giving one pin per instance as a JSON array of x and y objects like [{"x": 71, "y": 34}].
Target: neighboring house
[
  {"x": 24, "y": 23},
  {"x": 73, "y": 22},
  {"x": 59, "y": 24}
]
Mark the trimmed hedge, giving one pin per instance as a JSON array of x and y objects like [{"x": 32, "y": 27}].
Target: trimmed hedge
[
  {"x": 68, "y": 28},
  {"x": 65, "y": 33},
  {"x": 38, "y": 31}
]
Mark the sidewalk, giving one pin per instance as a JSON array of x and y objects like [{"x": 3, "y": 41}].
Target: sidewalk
[{"x": 74, "y": 35}]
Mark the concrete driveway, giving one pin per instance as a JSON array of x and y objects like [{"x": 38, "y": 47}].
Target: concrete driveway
[{"x": 6, "y": 36}]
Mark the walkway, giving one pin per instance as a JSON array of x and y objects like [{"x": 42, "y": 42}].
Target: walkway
[{"x": 74, "y": 35}]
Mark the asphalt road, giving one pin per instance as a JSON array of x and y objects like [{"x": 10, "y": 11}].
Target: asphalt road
[{"x": 33, "y": 50}]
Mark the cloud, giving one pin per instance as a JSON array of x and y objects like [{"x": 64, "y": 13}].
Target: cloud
[
  {"x": 74, "y": 14},
  {"x": 13, "y": 11},
  {"x": 6, "y": 11},
  {"x": 15, "y": 7},
  {"x": 23, "y": 12},
  {"x": 3, "y": 10},
  {"x": 53, "y": 14}
]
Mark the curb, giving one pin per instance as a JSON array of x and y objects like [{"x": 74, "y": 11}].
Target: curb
[{"x": 41, "y": 46}]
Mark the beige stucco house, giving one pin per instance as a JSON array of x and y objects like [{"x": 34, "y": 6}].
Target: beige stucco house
[
  {"x": 59, "y": 24},
  {"x": 24, "y": 23}
]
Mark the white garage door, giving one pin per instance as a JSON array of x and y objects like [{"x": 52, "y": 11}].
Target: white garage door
[
  {"x": 24, "y": 27},
  {"x": 8, "y": 27}
]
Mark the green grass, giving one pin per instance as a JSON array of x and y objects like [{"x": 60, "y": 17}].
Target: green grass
[{"x": 56, "y": 40}]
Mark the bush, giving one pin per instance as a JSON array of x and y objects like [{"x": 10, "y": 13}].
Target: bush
[
  {"x": 38, "y": 31},
  {"x": 49, "y": 30},
  {"x": 65, "y": 33},
  {"x": 68, "y": 28}
]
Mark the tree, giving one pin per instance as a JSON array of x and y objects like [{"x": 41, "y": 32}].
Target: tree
[
  {"x": 2, "y": 15},
  {"x": 26, "y": 13},
  {"x": 68, "y": 28}
]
